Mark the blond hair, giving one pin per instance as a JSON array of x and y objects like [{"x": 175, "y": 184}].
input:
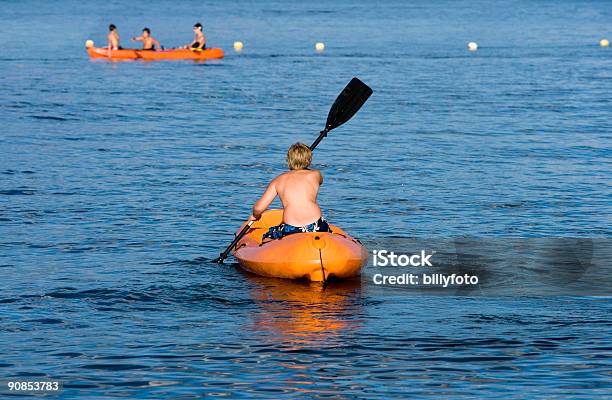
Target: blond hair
[{"x": 299, "y": 156}]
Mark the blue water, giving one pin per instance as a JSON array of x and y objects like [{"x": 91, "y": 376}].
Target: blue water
[{"x": 119, "y": 182}]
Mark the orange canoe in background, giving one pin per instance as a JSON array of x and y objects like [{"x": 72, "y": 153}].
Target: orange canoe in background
[
  {"x": 314, "y": 256},
  {"x": 149, "y": 55}
]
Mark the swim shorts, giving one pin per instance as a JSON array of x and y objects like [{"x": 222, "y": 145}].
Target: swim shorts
[{"x": 282, "y": 230}]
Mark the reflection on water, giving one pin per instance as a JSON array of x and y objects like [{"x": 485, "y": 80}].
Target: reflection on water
[
  {"x": 305, "y": 314},
  {"x": 302, "y": 319}
]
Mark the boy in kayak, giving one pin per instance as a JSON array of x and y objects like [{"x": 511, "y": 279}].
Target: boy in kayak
[
  {"x": 297, "y": 190},
  {"x": 113, "y": 38},
  {"x": 148, "y": 43},
  {"x": 199, "y": 42}
]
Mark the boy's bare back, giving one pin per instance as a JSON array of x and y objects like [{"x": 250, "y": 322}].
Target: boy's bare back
[{"x": 297, "y": 190}]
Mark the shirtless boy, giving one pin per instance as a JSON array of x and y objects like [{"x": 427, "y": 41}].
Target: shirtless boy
[
  {"x": 113, "y": 38},
  {"x": 148, "y": 43},
  {"x": 199, "y": 42},
  {"x": 297, "y": 190}
]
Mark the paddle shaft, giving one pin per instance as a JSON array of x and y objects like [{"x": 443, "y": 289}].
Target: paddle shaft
[
  {"x": 239, "y": 236},
  {"x": 322, "y": 135}
]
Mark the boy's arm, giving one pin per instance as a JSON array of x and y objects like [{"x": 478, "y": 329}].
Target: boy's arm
[
  {"x": 265, "y": 200},
  {"x": 138, "y": 38},
  {"x": 157, "y": 45},
  {"x": 190, "y": 45}
]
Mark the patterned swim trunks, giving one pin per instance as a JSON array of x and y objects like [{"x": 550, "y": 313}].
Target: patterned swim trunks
[{"x": 282, "y": 230}]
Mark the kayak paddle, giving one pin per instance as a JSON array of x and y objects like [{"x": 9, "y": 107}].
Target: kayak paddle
[{"x": 348, "y": 102}]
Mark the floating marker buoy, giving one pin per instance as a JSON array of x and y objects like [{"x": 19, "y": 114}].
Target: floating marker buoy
[
  {"x": 604, "y": 43},
  {"x": 89, "y": 43},
  {"x": 472, "y": 46},
  {"x": 238, "y": 46},
  {"x": 319, "y": 46}
]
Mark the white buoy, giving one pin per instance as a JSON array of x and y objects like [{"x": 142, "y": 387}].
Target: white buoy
[
  {"x": 319, "y": 46},
  {"x": 472, "y": 46},
  {"x": 89, "y": 43},
  {"x": 604, "y": 43},
  {"x": 238, "y": 46}
]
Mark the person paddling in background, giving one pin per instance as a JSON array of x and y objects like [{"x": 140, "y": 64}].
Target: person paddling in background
[
  {"x": 148, "y": 43},
  {"x": 199, "y": 42},
  {"x": 297, "y": 190},
  {"x": 113, "y": 38}
]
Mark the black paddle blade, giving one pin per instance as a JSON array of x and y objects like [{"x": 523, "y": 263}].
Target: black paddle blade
[{"x": 348, "y": 103}]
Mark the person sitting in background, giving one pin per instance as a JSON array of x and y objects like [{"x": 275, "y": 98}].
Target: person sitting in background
[
  {"x": 297, "y": 190},
  {"x": 148, "y": 43},
  {"x": 199, "y": 42},
  {"x": 113, "y": 38}
]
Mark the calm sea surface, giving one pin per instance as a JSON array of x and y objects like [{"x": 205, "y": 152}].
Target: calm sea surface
[{"x": 119, "y": 182}]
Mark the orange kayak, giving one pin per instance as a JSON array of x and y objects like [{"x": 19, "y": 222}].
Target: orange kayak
[
  {"x": 149, "y": 55},
  {"x": 315, "y": 256}
]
